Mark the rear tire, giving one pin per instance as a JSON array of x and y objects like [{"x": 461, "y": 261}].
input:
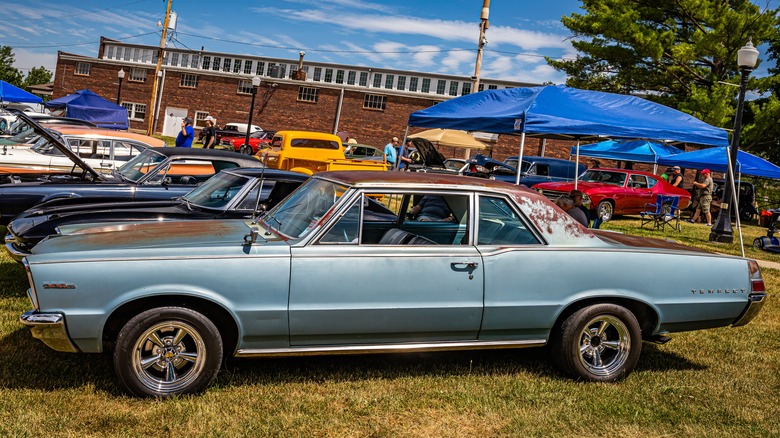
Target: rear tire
[
  {"x": 168, "y": 351},
  {"x": 599, "y": 343}
]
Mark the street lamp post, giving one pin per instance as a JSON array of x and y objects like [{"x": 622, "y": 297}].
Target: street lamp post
[
  {"x": 721, "y": 230},
  {"x": 121, "y": 75},
  {"x": 255, "y": 84}
]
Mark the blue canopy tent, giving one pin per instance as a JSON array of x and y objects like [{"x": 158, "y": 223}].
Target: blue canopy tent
[
  {"x": 716, "y": 159},
  {"x": 10, "y": 93},
  {"x": 559, "y": 111},
  {"x": 86, "y": 105},
  {"x": 640, "y": 151}
]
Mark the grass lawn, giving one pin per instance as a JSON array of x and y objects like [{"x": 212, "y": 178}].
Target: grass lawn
[{"x": 715, "y": 383}]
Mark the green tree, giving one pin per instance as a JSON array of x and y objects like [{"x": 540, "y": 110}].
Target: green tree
[
  {"x": 37, "y": 76},
  {"x": 677, "y": 51},
  {"x": 8, "y": 72}
]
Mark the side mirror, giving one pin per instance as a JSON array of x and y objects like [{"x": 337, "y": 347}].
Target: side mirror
[{"x": 166, "y": 181}]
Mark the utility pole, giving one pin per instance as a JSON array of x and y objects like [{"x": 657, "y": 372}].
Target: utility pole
[
  {"x": 155, "y": 78},
  {"x": 483, "y": 25}
]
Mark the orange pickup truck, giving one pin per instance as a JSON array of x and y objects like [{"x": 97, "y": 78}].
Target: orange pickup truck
[{"x": 311, "y": 152}]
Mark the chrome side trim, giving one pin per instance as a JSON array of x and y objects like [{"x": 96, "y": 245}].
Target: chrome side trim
[
  {"x": 389, "y": 348},
  {"x": 756, "y": 301},
  {"x": 50, "y": 329},
  {"x": 15, "y": 253}
]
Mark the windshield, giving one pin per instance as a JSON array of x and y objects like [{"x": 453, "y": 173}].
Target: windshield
[
  {"x": 300, "y": 212},
  {"x": 606, "y": 177},
  {"x": 218, "y": 191},
  {"x": 142, "y": 164},
  {"x": 513, "y": 162}
]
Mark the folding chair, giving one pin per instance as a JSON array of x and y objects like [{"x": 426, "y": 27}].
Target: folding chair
[
  {"x": 670, "y": 208},
  {"x": 652, "y": 212}
]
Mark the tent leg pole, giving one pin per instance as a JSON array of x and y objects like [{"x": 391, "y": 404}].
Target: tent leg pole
[
  {"x": 544, "y": 146},
  {"x": 520, "y": 158},
  {"x": 403, "y": 149},
  {"x": 577, "y": 165}
]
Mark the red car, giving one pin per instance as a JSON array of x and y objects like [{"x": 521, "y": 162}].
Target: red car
[
  {"x": 256, "y": 140},
  {"x": 612, "y": 192}
]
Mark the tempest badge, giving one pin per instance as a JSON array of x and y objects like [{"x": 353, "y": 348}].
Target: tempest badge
[{"x": 58, "y": 286}]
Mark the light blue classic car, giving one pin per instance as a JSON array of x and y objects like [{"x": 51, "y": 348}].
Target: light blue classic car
[{"x": 365, "y": 262}]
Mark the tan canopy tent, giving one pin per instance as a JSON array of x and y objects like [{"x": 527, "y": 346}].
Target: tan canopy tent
[{"x": 450, "y": 137}]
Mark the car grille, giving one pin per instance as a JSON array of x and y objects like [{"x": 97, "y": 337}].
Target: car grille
[{"x": 552, "y": 195}]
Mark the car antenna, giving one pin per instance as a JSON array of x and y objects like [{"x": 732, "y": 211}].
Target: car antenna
[{"x": 259, "y": 190}]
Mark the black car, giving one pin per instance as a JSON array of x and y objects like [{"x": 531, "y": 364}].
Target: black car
[
  {"x": 154, "y": 174},
  {"x": 747, "y": 199},
  {"x": 231, "y": 194}
]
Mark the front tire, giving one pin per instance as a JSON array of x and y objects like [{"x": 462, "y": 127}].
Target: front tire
[
  {"x": 605, "y": 210},
  {"x": 246, "y": 149},
  {"x": 168, "y": 351},
  {"x": 599, "y": 343}
]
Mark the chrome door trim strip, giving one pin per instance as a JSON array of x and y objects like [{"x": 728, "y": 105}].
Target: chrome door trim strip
[{"x": 389, "y": 348}]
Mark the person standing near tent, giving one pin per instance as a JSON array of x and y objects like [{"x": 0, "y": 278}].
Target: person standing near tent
[
  {"x": 390, "y": 153},
  {"x": 187, "y": 134},
  {"x": 705, "y": 198},
  {"x": 676, "y": 178}
]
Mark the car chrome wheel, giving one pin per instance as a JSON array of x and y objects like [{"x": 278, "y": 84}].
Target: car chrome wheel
[
  {"x": 168, "y": 356},
  {"x": 246, "y": 149},
  {"x": 605, "y": 344},
  {"x": 604, "y": 210}
]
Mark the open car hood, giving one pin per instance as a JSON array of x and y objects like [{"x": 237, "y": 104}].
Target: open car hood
[
  {"x": 431, "y": 157},
  {"x": 491, "y": 164},
  {"x": 57, "y": 143}
]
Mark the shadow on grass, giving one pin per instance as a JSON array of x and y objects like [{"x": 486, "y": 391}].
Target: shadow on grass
[{"x": 28, "y": 364}]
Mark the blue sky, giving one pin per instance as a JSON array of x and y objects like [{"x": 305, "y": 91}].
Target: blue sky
[{"x": 434, "y": 35}]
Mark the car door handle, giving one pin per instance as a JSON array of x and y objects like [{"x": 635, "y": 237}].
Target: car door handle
[{"x": 467, "y": 265}]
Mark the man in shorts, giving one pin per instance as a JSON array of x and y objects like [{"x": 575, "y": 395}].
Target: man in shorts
[{"x": 705, "y": 197}]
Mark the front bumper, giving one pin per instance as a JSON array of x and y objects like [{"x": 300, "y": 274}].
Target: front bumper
[
  {"x": 756, "y": 301},
  {"x": 50, "y": 329}
]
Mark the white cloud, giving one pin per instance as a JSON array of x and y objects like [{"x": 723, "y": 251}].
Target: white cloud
[
  {"x": 25, "y": 60},
  {"x": 455, "y": 58}
]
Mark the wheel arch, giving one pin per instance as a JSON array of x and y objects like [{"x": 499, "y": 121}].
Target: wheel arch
[
  {"x": 220, "y": 316},
  {"x": 645, "y": 314}
]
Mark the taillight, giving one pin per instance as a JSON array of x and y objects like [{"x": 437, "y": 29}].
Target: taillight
[{"x": 756, "y": 281}]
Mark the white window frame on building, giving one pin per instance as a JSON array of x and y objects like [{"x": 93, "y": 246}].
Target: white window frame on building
[
  {"x": 351, "y": 76},
  {"x": 134, "y": 109},
  {"x": 200, "y": 119},
  {"x": 454, "y": 88},
  {"x": 174, "y": 59},
  {"x": 217, "y": 63},
  {"x": 377, "y": 102},
  {"x": 83, "y": 68},
  {"x": 441, "y": 86},
  {"x": 377, "y": 80},
  {"x": 137, "y": 75},
  {"x": 248, "y": 67},
  {"x": 363, "y": 81},
  {"x": 206, "y": 62},
  {"x": 401, "y": 83},
  {"x": 328, "y": 75},
  {"x": 308, "y": 94},
  {"x": 389, "y": 79},
  {"x": 413, "y": 82},
  {"x": 260, "y": 68},
  {"x": 244, "y": 86},
  {"x": 317, "y": 74},
  {"x": 426, "y": 85},
  {"x": 188, "y": 80}
]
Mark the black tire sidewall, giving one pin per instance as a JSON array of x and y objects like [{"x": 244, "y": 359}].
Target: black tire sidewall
[
  {"x": 140, "y": 323},
  {"x": 565, "y": 346}
]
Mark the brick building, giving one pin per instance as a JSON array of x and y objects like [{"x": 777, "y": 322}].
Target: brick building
[{"x": 372, "y": 104}]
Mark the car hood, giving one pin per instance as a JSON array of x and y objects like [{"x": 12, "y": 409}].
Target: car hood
[
  {"x": 159, "y": 239},
  {"x": 89, "y": 212},
  {"x": 430, "y": 155},
  {"x": 566, "y": 186},
  {"x": 491, "y": 164}
]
